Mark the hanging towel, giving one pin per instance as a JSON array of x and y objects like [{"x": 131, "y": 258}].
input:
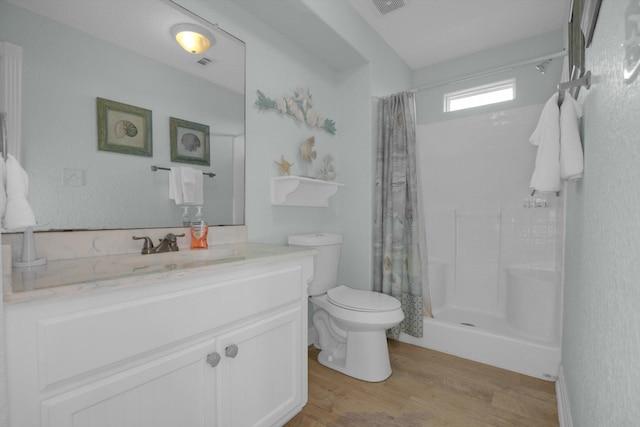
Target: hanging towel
[
  {"x": 192, "y": 186},
  {"x": 18, "y": 211},
  {"x": 571, "y": 157},
  {"x": 546, "y": 174},
  {"x": 175, "y": 185},
  {"x": 186, "y": 186}
]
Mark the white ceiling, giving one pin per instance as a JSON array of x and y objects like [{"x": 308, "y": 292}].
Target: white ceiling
[
  {"x": 423, "y": 32},
  {"x": 427, "y": 32},
  {"x": 297, "y": 23}
]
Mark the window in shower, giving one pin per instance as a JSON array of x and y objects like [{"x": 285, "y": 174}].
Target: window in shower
[{"x": 480, "y": 95}]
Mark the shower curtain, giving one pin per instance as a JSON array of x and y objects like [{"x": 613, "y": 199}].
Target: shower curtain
[
  {"x": 397, "y": 262},
  {"x": 4, "y": 395}
]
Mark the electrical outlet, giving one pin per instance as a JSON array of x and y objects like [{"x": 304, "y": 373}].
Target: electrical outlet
[{"x": 72, "y": 177}]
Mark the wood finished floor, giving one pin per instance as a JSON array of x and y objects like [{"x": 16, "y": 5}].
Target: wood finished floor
[{"x": 427, "y": 388}]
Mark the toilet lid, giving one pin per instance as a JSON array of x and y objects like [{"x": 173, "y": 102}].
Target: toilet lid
[{"x": 359, "y": 300}]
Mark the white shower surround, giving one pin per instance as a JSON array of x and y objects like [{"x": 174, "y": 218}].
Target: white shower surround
[{"x": 474, "y": 174}]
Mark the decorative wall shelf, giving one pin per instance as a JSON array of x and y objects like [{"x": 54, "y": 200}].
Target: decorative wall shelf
[{"x": 302, "y": 191}]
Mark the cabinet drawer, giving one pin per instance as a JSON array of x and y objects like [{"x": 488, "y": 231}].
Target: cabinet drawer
[{"x": 78, "y": 343}]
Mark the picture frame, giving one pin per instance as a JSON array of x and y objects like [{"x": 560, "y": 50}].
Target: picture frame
[
  {"x": 575, "y": 36},
  {"x": 124, "y": 128},
  {"x": 189, "y": 142},
  {"x": 590, "y": 11}
]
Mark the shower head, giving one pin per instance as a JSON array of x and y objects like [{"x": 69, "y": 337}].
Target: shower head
[{"x": 542, "y": 66}]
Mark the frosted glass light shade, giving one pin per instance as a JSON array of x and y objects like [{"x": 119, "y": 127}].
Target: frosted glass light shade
[{"x": 192, "y": 38}]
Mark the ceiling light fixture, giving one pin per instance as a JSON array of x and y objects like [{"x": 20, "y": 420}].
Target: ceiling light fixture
[{"x": 192, "y": 38}]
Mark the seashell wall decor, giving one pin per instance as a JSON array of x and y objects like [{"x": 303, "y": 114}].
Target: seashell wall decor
[
  {"x": 298, "y": 106},
  {"x": 125, "y": 127},
  {"x": 306, "y": 150}
]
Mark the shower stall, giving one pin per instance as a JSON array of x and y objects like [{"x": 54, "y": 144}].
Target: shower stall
[{"x": 494, "y": 251}]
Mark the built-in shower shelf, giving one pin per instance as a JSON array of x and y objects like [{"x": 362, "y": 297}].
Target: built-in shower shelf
[{"x": 302, "y": 191}]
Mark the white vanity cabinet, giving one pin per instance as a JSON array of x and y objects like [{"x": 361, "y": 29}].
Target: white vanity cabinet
[{"x": 223, "y": 348}]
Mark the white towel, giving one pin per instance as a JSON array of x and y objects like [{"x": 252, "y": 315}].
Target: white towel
[
  {"x": 199, "y": 190},
  {"x": 546, "y": 175},
  {"x": 571, "y": 157},
  {"x": 175, "y": 185},
  {"x": 191, "y": 181},
  {"x": 186, "y": 186},
  {"x": 18, "y": 212}
]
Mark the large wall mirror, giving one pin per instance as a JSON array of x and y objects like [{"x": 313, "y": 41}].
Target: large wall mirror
[{"x": 75, "y": 51}]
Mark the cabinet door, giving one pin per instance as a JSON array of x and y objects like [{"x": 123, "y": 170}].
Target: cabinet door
[
  {"x": 262, "y": 382},
  {"x": 175, "y": 390}
]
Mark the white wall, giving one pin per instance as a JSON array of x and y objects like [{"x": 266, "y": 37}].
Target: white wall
[
  {"x": 601, "y": 337},
  {"x": 277, "y": 66}
]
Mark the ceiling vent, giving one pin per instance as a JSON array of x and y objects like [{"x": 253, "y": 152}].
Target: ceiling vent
[
  {"x": 204, "y": 61},
  {"x": 386, "y": 6}
]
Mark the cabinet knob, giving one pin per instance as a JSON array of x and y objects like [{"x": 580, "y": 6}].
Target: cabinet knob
[
  {"x": 213, "y": 359},
  {"x": 231, "y": 351}
]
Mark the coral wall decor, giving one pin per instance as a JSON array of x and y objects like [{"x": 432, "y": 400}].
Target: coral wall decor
[
  {"x": 299, "y": 106},
  {"x": 327, "y": 172}
]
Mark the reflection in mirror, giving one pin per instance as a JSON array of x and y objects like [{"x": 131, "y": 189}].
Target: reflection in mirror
[{"x": 75, "y": 51}]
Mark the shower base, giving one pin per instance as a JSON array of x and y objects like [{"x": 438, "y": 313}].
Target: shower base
[{"x": 488, "y": 339}]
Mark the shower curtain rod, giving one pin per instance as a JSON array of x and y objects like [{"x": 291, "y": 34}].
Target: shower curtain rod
[{"x": 492, "y": 71}]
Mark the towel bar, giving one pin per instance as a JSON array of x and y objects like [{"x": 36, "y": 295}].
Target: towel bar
[
  {"x": 582, "y": 81},
  {"x": 156, "y": 168},
  {"x": 534, "y": 192}
]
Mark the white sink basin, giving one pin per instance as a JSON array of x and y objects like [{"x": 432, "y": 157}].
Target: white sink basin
[{"x": 180, "y": 257}]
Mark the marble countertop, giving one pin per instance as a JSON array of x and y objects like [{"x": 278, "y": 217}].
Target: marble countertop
[{"x": 81, "y": 275}]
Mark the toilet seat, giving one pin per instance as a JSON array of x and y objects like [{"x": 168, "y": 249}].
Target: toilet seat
[{"x": 360, "y": 300}]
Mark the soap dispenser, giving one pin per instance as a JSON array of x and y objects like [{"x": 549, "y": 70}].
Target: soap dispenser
[
  {"x": 186, "y": 221},
  {"x": 199, "y": 231}
]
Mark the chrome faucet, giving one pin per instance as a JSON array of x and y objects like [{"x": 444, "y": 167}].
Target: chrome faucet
[
  {"x": 168, "y": 243},
  {"x": 148, "y": 245}
]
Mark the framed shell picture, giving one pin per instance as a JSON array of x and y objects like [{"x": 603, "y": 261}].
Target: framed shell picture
[
  {"x": 189, "y": 142},
  {"x": 124, "y": 128}
]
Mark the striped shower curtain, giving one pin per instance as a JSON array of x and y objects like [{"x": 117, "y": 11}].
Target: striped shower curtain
[{"x": 397, "y": 263}]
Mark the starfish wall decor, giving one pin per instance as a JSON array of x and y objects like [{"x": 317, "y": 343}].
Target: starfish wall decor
[{"x": 284, "y": 166}]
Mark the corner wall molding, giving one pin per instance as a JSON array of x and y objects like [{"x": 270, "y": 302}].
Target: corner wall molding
[{"x": 564, "y": 408}]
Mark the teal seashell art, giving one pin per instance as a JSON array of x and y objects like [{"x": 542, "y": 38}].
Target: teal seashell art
[
  {"x": 299, "y": 106},
  {"x": 190, "y": 142}
]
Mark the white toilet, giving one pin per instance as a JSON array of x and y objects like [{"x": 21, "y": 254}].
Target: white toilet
[{"x": 351, "y": 324}]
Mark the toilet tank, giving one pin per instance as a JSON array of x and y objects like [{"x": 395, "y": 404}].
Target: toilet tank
[{"x": 325, "y": 264}]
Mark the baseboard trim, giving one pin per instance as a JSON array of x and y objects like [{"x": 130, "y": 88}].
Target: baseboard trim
[
  {"x": 564, "y": 408},
  {"x": 312, "y": 335}
]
